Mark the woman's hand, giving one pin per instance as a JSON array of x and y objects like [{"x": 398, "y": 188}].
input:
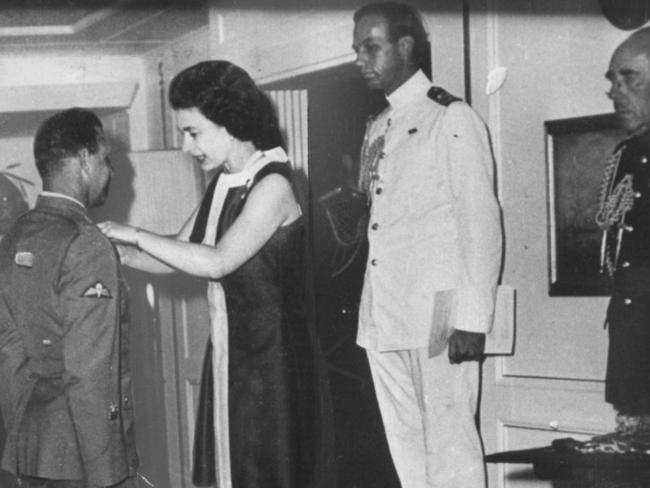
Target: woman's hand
[
  {"x": 129, "y": 242},
  {"x": 466, "y": 346},
  {"x": 121, "y": 234}
]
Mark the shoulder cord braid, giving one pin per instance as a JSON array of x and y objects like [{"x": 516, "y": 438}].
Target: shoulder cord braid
[{"x": 615, "y": 202}]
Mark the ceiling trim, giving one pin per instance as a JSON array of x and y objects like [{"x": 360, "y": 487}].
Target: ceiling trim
[
  {"x": 96, "y": 17},
  {"x": 43, "y": 98},
  {"x": 37, "y": 30},
  {"x": 61, "y": 30}
]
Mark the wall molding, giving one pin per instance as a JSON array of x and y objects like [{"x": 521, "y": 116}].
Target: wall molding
[{"x": 45, "y": 98}]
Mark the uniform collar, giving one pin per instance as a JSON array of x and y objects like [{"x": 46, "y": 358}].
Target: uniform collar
[
  {"x": 410, "y": 90},
  {"x": 642, "y": 136},
  {"x": 54, "y": 194},
  {"x": 60, "y": 203}
]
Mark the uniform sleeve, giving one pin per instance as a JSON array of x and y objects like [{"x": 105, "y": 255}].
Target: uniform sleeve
[
  {"x": 477, "y": 215},
  {"x": 89, "y": 301},
  {"x": 16, "y": 381}
]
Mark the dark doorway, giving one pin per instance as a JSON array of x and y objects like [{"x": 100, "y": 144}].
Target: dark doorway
[{"x": 339, "y": 104}]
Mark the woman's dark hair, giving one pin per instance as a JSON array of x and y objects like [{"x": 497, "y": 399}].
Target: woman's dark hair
[
  {"x": 403, "y": 20},
  {"x": 226, "y": 95},
  {"x": 64, "y": 135}
]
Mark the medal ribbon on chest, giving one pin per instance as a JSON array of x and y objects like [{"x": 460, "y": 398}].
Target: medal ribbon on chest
[{"x": 371, "y": 154}]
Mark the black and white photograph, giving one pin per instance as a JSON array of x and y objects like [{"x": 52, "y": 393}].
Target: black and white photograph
[{"x": 324, "y": 244}]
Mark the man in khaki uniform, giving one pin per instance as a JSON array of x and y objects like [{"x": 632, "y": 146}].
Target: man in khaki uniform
[{"x": 65, "y": 386}]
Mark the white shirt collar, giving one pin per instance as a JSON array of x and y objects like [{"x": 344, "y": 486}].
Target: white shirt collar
[
  {"x": 410, "y": 90},
  {"x": 54, "y": 194}
]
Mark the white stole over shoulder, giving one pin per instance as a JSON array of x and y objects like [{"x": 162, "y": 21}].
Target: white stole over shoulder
[{"x": 218, "y": 312}]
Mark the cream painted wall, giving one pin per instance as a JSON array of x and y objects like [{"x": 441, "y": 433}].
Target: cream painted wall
[
  {"x": 278, "y": 42},
  {"x": 161, "y": 65},
  {"x": 19, "y": 150},
  {"x": 58, "y": 68},
  {"x": 559, "y": 76},
  {"x": 556, "y": 53}
]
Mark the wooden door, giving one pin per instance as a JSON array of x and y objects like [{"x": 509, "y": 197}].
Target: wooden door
[{"x": 170, "y": 322}]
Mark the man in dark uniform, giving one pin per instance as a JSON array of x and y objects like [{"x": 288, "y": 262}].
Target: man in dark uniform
[
  {"x": 624, "y": 216},
  {"x": 65, "y": 387}
]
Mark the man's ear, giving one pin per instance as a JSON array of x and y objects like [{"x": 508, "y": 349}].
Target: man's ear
[
  {"x": 83, "y": 156},
  {"x": 405, "y": 47}
]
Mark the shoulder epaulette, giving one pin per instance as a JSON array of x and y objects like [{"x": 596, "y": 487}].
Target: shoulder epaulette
[
  {"x": 370, "y": 118},
  {"x": 442, "y": 96}
]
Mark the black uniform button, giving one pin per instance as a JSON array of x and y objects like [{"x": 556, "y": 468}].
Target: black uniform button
[
  {"x": 378, "y": 191},
  {"x": 637, "y": 194},
  {"x": 113, "y": 411},
  {"x": 373, "y": 262},
  {"x": 629, "y": 228},
  {"x": 644, "y": 159},
  {"x": 625, "y": 264},
  {"x": 375, "y": 226},
  {"x": 627, "y": 301}
]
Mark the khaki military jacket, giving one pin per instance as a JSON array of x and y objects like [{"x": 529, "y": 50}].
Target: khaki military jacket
[{"x": 65, "y": 385}]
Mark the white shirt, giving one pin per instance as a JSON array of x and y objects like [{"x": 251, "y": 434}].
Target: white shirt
[{"x": 53, "y": 194}]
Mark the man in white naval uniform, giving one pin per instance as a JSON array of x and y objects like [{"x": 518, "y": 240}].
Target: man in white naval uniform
[{"x": 434, "y": 257}]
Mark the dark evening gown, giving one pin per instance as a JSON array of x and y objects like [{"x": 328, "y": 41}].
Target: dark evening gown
[{"x": 273, "y": 412}]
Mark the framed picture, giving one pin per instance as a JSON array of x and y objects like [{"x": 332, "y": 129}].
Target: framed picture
[{"x": 576, "y": 152}]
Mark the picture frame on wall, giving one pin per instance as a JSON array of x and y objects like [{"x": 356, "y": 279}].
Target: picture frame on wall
[{"x": 576, "y": 152}]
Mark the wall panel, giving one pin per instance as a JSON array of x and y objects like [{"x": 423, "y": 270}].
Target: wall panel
[{"x": 552, "y": 386}]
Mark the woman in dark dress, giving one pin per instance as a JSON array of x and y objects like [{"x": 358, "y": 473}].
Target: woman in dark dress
[{"x": 257, "y": 420}]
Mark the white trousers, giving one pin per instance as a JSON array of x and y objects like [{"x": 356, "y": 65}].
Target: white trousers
[{"x": 427, "y": 407}]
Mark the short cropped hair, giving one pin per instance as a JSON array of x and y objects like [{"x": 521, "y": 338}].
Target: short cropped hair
[
  {"x": 403, "y": 20},
  {"x": 225, "y": 94},
  {"x": 64, "y": 135}
]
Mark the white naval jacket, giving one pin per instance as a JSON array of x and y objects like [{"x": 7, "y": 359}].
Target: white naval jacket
[{"x": 435, "y": 226}]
